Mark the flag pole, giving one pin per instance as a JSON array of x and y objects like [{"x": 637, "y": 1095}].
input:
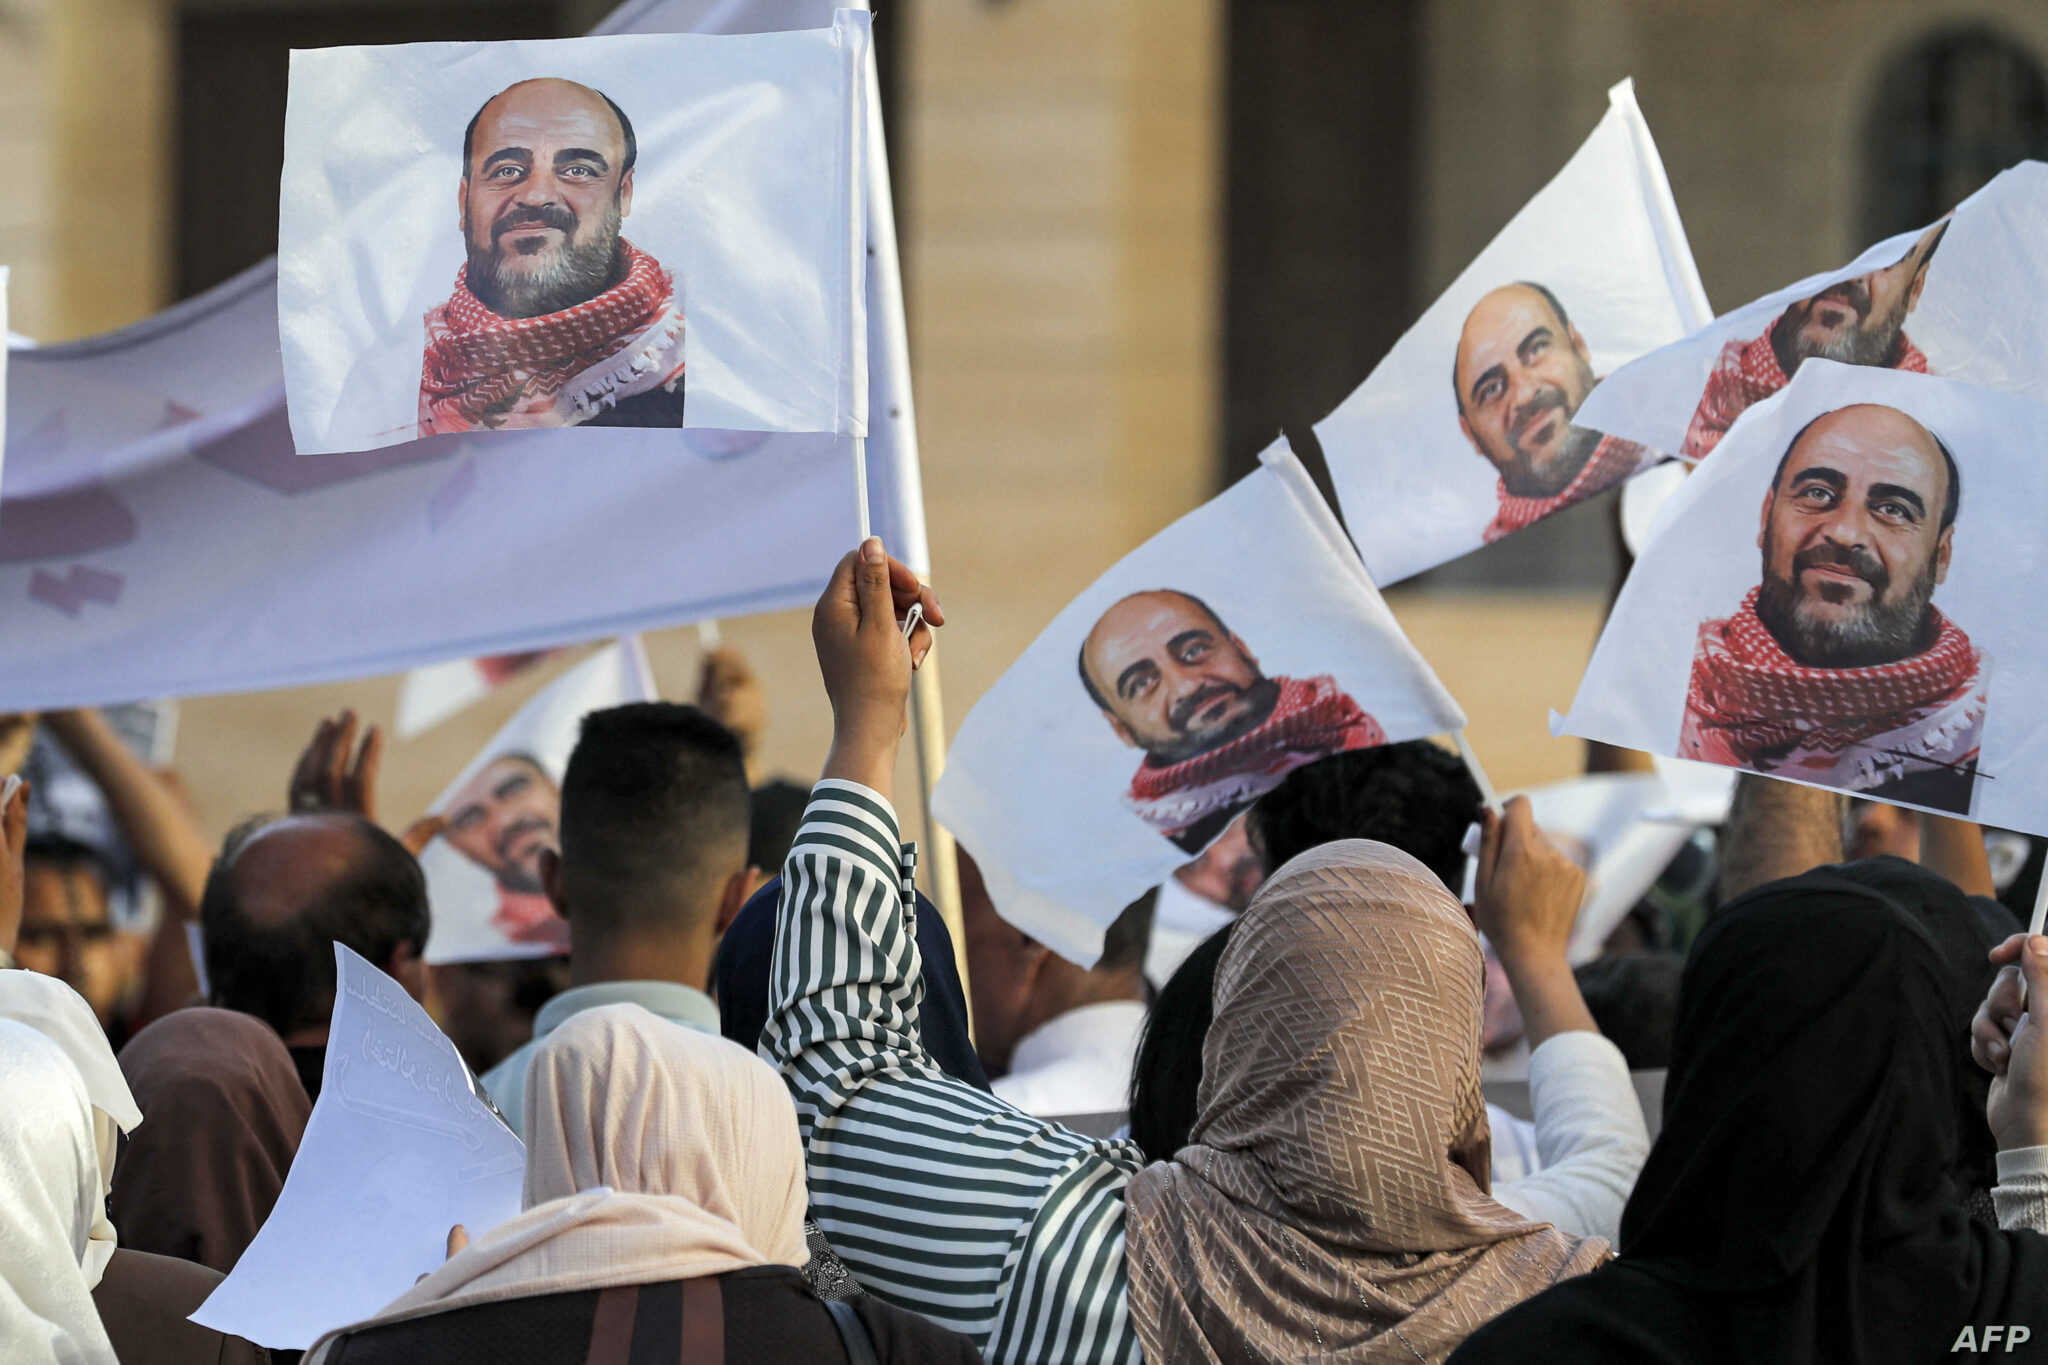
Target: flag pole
[{"x": 1487, "y": 795}]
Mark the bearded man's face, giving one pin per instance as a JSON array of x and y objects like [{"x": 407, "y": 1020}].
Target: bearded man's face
[{"x": 543, "y": 201}]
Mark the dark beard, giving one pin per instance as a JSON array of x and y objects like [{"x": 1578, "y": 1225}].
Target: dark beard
[
  {"x": 1265, "y": 695},
  {"x": 1579, "y": 445},
  {"x": 1883, "y": 634},
  {"x": 1860, "y": 345},
  {"x": 580, "y": 273}
]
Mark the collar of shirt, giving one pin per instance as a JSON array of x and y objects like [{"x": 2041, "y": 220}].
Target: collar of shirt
[{"x": 670, "y": 999}]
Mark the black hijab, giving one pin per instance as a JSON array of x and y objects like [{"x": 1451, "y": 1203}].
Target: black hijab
[
  {"x": 1803, "y": 1201},
  {"x": 746, "y": 955}
]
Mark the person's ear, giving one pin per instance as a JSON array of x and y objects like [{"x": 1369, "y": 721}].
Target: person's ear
[
  {"x": 625, "y": 194},
  {"x": 1763, "y": 520},
  {"x": 1123, "y": 731},
  {"x": 462, "y": 208},
  {"x": 1919, "y": 283},
  {"x": 550, "y": 869},
  {"x": 1579, "y": 344},
  {"x": 408, "y": 969},
  {"x": 733, "y": 899},
  {"x": 1466, "y": 427},
  {"x": 1943, "y": 548}
]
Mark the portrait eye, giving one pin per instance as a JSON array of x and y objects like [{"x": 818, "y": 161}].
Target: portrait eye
[
  {"x": 1194, "y": 651},
  {"x": 1896, "y": 510},
  {"x": 506, "y": 172},
  {"x": 1488, "y": 391},
  {"x": 1816, "y": 495}
]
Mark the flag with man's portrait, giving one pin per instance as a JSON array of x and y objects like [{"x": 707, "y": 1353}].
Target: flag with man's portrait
[
  {"x": 504, "y": 809},
  {"x": 644, "y": 230},
  {"x": 1964, "y": 297},
  {"x": 1239, "y": 644},
  {"x": 1469, "y": 429},
  {"x": 1843, "y": 595}
]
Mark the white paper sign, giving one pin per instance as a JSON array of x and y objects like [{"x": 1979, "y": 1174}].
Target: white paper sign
[
  {"x": 1238, "y": 644},
  {"x": 499, "y": 236},
  {"x": 1465, "y": 432},
  {"x": 1818, "y": 622},
  {"x": 1964, "y": 298},
  {"x": 504, "y": 808},
  {"x": 399, "y": 1150}
]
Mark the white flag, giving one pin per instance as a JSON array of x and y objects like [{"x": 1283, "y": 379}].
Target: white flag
[
  {"x": 399, "y": 1150},
  {"x": 656, "y": 230},
  {"x": 504, "y": 808},
  {"x": 1845, "y": 595},
  {"x": 1466, "y": 432},
  {"x": 1964, "y": 298},
  {"x": 427, "y": 696},
  {"x": 1238, "y": 644}
]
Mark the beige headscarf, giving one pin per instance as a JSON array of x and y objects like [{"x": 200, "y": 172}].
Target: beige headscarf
[
  {"x": 61, "y": 1014},
  {"x": 684, "y": 1148},
  {"x": 1332, "y": 1202}
]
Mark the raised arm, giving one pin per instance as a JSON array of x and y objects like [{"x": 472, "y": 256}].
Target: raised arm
[
  {"x": 940, "y": 1197},
  {"x": 1589, "y": 1124},
  {"x": 1777, "y": 829}
]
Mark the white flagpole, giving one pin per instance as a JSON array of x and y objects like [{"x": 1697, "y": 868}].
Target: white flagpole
[
  {"x": 1472, "y": 765},
  {"x": 860, "y": 484},
  {"x": 2040, "y": 904}
]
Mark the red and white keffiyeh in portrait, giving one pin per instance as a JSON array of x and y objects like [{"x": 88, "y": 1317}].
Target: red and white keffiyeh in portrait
[
  {"x": 1748, "y": 372},
  {"x": 482, "y": 369},
  {"x": 1751, "y": 705},
  {"x": 528, "y": 917},
  {"x": 1312, "y": 719},
  {"x": 1611, "y": 461}
]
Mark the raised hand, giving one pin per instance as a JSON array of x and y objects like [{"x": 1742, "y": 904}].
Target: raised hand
[
  {"x": 866, "y": 660},
  {"x": 334, "y": 773}
]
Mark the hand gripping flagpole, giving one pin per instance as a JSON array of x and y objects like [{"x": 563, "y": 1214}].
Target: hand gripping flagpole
[{"x": 1488, "y": 797}]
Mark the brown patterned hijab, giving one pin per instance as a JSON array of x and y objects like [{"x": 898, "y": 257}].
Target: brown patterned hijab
[{"x": 1332, "y": 1203}]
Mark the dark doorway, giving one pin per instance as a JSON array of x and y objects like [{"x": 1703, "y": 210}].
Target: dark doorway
[
  {"x": 231, "y": 83},
  {"x": 1322, "y": 169}
]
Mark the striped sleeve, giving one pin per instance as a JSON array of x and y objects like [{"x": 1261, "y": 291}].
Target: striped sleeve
[{"x": 940, "y": 1197}]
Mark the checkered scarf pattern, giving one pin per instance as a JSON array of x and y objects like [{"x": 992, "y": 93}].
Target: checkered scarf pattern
[
  {"x": 1312, "y": 719},
  {"x": 1745, "y": 685},
  {"x": 1748, "y": 372},
  {"x": 1611, "y": 461},
  {"x": 478, "y": 364}
]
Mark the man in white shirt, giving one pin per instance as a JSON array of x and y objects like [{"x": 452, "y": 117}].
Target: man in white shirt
[
  {"x": 1058, "y": 1039},
  {"x": 652, "y": 869}
]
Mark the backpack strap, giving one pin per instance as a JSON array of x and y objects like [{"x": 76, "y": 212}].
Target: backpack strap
[
  {"x": 853, "y": 1333},
  {"x": 703, "y": 1321},
  {"x": 611, "y": 1330}
]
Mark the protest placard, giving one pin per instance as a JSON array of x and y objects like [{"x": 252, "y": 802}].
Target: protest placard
[
  {"x": 1467, "y": 431},
  {"x": 1235, "y": 646}
]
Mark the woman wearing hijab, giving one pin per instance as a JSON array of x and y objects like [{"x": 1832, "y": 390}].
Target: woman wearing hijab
[
  {"x": 226, "y": 1112},
  {"x": 49, "y": 1200},
  {"x": 1804, "y": 1200},
  {"x": 664, "y": 1220}
]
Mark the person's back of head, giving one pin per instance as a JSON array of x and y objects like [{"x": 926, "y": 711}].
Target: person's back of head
[
  {"x": 1633, "y": 997},
  {"x": 654, "y": 828},
  {"x": 1166, "y": 1080},
  {"x": 1415, "y": 796},
  {"x": 283, "y": 892}
]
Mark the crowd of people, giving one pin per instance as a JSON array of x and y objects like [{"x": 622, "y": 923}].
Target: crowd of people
[{"x": 767, "y": 1120}]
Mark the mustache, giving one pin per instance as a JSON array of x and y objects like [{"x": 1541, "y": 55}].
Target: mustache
[
  {"x": 1854, "y": 558},
  {"x": 534, "y": 215},
  {"x": 1534, "y": 411},
  {"x": 1854, "y": 293},
  {"x": 1184, "y": 710},
  {"x": 519, "y": 829}
]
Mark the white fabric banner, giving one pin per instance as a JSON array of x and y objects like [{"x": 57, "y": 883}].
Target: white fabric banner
[
  {"x": 158, "y": 534},
  {"x": 1964, "y": 298},
  {"x": 504, "y": 807},
  {"x": 1857, "y": 617},
  {"x": 640, "y": 218},
  {"x": 399, "y": 1150},
  {"x": 1465, "y": 432},
  {"x": 427, "y": 696},
  {"x": 1238, "y": 644}
]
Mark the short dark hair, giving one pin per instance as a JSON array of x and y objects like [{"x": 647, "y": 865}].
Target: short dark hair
[
  {"x": 625, "y": 126},
  {"x": 1950, "y": 505},
  {"x": 1417, "y": 796},
  {"x": 1166, "y": 1077},
  {"x": 775, "y": 813},
  {"x": 654, "y": 805},
  {"x": 1081, "y": 657},
  {"x": 283, "y": 973},
  {"x": 1556, "y": 306},
  {"x": 1633, "y": 997},
  {"x": 1129, "y": 935}
]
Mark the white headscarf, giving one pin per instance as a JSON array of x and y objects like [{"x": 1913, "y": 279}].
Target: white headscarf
[
  {"x": 50, "y": 1190},
  {"x": 60, "y": 1014},
  {"x": 657, "y": 1153}
]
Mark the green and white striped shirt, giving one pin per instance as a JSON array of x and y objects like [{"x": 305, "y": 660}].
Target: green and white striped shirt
[{"x": 941, "y": 1198}]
